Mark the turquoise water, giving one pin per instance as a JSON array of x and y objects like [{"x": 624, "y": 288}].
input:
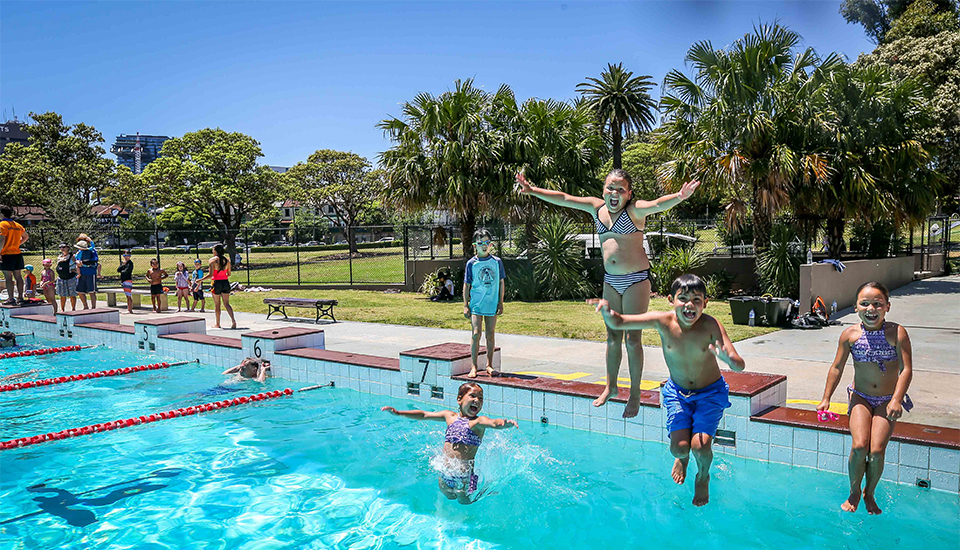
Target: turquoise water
[{"x": 327, "y": 469}]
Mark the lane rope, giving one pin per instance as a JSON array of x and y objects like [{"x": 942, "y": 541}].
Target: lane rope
[
  {"x": 145, "y": 419},
  {"x": 45, "y": 351},
  {"x": 89, "y": 375}
]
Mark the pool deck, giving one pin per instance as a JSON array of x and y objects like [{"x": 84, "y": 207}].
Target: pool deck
[{"x": 930, "y": 309}]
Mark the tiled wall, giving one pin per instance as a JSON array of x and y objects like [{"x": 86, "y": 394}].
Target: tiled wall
[{"x": 796, "y": 446}]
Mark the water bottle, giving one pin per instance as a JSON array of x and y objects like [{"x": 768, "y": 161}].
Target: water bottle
[
  {"x": 833, "y": 308},
  {"x": 809, "y": 256},
  {"x": 753, "y": 319}
]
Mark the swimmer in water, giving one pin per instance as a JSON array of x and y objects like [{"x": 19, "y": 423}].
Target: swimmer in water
[
  {"x": 8, "y": 339},
  {"x": 465, "y": 429},
  {"x": 251, "y": 368}
]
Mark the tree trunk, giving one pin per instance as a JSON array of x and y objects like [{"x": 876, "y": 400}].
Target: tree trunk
[
  {"x": 468, "y": 224},
  {"x": 351, "y": 243},
  {"x": 835, "y": 227},
  {"x": 762, "y": 224},
  {"x": 617, "y": 145}
]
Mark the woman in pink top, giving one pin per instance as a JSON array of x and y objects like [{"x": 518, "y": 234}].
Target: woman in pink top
[{"x": 220, "y": 273}]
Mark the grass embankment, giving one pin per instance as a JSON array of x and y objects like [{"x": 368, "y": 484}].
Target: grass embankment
[{"x": 561, "y": 319}]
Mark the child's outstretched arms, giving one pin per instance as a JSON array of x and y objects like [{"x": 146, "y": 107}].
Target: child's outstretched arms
[
  {"x": 559, "y": 198},
  {"x": 724, "y": 350},
  {"x": 617, "y": 321},
  {"x": 667, "y": 202},
  {"x": 420, "y": 415},
  {"x": 836, "y": 369},
  {"x": 497, "y": 423}
]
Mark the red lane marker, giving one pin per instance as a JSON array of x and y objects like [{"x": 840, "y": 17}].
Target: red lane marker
[
  {"x": 86, "y": 376},
  {"x": 45, "y": 351},
  {"x": 128, "y": 422}
]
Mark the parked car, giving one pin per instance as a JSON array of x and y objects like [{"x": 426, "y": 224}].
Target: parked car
[
  {"x": 340, "y": 242},
  {"x": 313, "y": 243},
  {"x": 386, "y": 240}
]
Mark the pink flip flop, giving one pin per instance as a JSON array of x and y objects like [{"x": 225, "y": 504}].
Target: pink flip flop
[{"x": 827, "y": 416}]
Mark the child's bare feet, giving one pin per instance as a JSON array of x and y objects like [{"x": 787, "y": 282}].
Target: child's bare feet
[
  {"x": 472, "y": 373},
  {"x": 850, "y": 505},
  {"x": 233, "y": 326},
  {"x": 871, "y": 505},
  {"x": 633, "y": 407},
  {"x": 701, "y": 489},
  {"x": 492, "y": 373},
  {"x": 679, "y": 472},
  {"x": 216, "y": 326},
  {"x": 604, "y": 396}
]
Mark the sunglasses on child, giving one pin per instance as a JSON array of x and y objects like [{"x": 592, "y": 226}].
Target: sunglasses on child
[{"x": 483, "y": 243}]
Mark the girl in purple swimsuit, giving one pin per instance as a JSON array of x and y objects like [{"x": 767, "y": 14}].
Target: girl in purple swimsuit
[
  {"x": 465, "y": 430},
  {"x": 883, "y": 368}
]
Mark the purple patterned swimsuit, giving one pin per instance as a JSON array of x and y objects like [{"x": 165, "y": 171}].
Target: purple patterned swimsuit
[
  {"x": 872, "y": 347},
  {"x": 459, "y": 432}
]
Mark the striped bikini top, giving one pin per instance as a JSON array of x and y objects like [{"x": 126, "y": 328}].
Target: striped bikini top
[
  {"x": 872, "y": 347},
  {"x": 623, "y": 225}
]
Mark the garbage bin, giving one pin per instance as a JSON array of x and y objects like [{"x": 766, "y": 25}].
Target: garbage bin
[{"x": 768, "y": 311}]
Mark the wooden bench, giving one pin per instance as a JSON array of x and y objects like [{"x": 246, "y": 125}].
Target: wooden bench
[
  {"x": 135, "y": 298},
  {"x": 278, "y": 305}
]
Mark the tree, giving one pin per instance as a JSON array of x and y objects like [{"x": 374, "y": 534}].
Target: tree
[
  {"x": 556, "y": 145},
  {"x": 264, "y": 227},
  {"x": 876, "y": 168},
  {"x": 137, "y": 227},
  {"x": 935, "y": 60},
  {"x": 214, "y": 175},
  {"x": 307, "y": 226},
  {"x": 447, "y": 154},
  {"x": 339, "y": 180},
  {"x": 621, "y": 102},
  {"x": 739, "y": 122},
  {"x": 62, "y": 169},
  {"x": 125, "y": 189},
  {"x": 878, "y": 17}
]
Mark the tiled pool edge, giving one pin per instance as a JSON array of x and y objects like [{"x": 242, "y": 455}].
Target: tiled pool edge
[{"x": 530, "y": 399}]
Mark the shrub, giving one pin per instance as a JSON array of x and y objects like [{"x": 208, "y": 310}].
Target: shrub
[
  {"x": 523, "y": 284},
  {"x": 778, "y": 268},
  {"x": 719, "y": 284},
  {"x": 673, "y": 263},
  {"x": 872, "y": 237},
  {"x": 558, "y": 260}
]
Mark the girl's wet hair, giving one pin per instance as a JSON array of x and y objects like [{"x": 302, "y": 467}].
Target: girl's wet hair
[
  {"x": 481, "y": 233},
  {"x": 465, "y": 387},
  {"x": 621, "y": 174},
  {"x": 686, "y": 284},
  {"x": 879, "y": 286}
]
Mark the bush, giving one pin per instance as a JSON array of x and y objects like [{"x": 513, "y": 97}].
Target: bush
[
  {"x": 718, "y": 284},
  {"x": 872, "y": 237},
  {"x": 558, "y": 260},
  {"x": 778, "y": 268},
  {"x": 523, "y": 284},
  {"x": 743, "y": 234},
  {"x": 673, "y": 263}
]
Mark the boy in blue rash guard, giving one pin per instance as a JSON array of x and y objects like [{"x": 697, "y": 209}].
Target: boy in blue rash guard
[
  {"x": 696, "y": 393},
  {"x": 483, "y": 284}
]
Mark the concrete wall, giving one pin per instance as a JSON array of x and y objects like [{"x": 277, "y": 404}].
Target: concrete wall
[{"x": 823, "y": 279}]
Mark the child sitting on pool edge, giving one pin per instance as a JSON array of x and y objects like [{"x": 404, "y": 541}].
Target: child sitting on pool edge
[
  {"x": 483, "y": 286},
  {"x": 883, "y": 369},
  {"x": 465, "y": 429},
  {"x": 696, "y": 393},
  {"x": 251, "y": 368}
]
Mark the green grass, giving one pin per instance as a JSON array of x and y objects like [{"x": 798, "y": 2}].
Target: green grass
[{"x": 561, "y": 319}]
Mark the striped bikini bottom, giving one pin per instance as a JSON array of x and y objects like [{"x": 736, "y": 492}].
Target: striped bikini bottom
[{"x": 621, "y": 283}]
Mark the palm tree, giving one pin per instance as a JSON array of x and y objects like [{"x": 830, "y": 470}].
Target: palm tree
[
  {"x": 446, "y": 154},
  {"x": 739, "y": 122},
  {"x": 621, "y": 102},
  {"x": 876, "y": 167}
]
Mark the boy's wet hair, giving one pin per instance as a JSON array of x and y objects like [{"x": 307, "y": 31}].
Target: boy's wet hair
[
  {"x": 481, "y": 233},
  {"x": 465, "y": 387},
  {"x": 879, "y": 286},
  {"x": 8, "y": 336},
  {"x": 688, "y": 283}
]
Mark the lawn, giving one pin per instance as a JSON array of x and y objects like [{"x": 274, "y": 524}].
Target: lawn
[{"x": 561, "y": 319}]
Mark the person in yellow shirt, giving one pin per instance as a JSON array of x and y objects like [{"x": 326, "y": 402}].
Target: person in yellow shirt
[{"x": 12, "y": 235}]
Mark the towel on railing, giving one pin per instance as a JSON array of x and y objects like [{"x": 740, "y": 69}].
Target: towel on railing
[{"x": 835, "y": 263}]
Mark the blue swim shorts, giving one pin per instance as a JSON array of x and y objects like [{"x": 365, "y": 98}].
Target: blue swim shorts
[{"x": 700, "y": 409}]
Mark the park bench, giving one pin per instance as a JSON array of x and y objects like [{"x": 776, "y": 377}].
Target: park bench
[
  {"x": 113, "y": 292},
  {"x": 278, "y": 305}
]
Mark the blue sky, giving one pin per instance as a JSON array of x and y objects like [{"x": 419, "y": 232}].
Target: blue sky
[{"x": 301, "y": 76}]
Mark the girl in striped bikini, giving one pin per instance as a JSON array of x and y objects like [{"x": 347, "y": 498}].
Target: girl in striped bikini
[
  {"x": 619, "y": 220},
  {"x": 882, "y": 371}
]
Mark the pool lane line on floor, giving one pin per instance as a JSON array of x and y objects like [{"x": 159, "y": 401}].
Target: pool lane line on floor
[
  {"x": 89, "y": 375},
  {"x": 144, "y": 419},
  {"x": 45, "y": 351}
]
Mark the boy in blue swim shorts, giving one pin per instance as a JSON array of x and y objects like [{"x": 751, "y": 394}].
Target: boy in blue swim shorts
[{"x": 696, "y": 393}]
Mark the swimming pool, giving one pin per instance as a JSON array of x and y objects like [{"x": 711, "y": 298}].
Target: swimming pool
[{"x": 327, "y": 469}]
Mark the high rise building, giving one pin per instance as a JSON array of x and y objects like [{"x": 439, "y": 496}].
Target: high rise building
[
  {"x": 13, "y": 131},
  {"x": 125, "y": 147}
]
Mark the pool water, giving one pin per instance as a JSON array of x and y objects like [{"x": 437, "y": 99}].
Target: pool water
[{"x": 328, "y": 469}]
